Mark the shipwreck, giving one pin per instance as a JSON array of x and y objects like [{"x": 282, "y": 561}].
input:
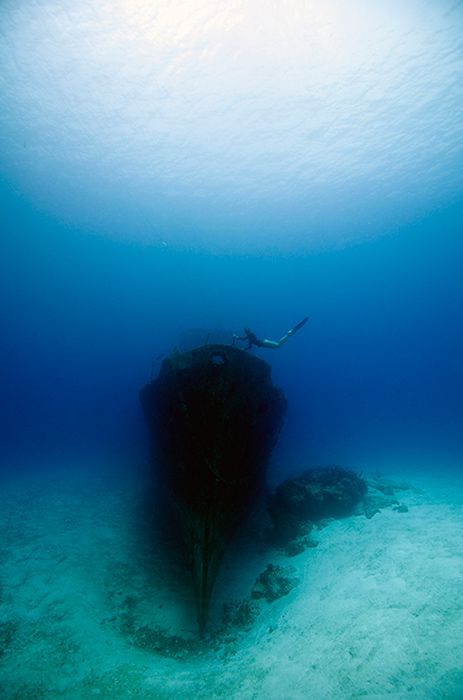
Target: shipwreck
[{"x": 214, "y": 416}]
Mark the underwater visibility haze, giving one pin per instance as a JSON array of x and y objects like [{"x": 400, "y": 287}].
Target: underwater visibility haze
[{"x": 170, "y": 174}]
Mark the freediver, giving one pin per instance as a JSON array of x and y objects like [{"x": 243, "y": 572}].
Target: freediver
[{"x": 265, "y": 343}]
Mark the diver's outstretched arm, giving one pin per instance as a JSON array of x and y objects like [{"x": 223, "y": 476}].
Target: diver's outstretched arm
[{"x": 242, "y": 338}]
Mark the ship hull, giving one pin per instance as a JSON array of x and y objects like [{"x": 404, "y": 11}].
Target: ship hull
[{"x": 214, "y": 417}]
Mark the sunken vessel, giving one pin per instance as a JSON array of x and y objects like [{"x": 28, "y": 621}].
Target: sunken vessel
[{"x": 214, "y": 416}]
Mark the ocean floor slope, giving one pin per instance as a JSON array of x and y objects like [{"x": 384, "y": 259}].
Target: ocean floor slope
[{"x": 87, "y": 609}]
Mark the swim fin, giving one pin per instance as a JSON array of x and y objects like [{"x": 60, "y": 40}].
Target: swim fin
[{"x": 300, "y": 324}]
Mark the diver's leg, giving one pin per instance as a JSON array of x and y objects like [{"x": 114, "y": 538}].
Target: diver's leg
[
  {"x": 271, "y": 343},
  {"x": 283, "y": 339}
]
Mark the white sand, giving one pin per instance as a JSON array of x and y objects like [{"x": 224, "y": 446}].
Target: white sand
[{"x": 378, "y": 612}]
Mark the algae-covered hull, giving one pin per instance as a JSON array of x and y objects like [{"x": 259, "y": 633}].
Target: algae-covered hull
[{"x": 214, "y": 417}]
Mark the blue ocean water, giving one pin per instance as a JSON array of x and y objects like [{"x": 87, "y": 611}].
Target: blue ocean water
[
  {"x": 194, "y": 167},
  {"x": 174, "y": 170},
  {"x": 374, "y": 378}
]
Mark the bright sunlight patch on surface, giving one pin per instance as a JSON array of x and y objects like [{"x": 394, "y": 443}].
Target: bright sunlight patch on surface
[{"x": 255, "y": 125}]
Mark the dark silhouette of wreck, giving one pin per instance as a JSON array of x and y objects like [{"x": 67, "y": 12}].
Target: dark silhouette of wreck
[{"x": 214, "y": 417}]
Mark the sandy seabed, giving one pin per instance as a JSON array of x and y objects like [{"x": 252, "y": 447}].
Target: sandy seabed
[{"x": 88, "y": 608}]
